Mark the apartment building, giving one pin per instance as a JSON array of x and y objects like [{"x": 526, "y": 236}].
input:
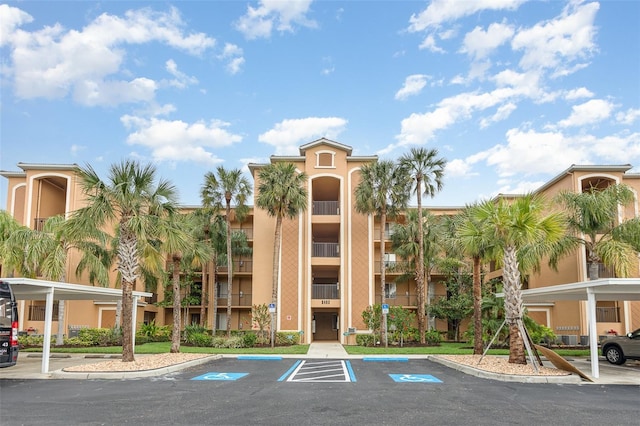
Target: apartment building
[{"x": 330, "y": 268}]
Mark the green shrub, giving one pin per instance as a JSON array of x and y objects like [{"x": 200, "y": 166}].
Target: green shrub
[
  {"x": 365, "y": 339},
  {"x": 219, "y": 342},
  {"x": 433, "y": 337},
  {"x": 287, "y": 338},
  {"x": 191, "y": 330},
  {"x": 75, "y": 341},
  {"x": 100, "y": 336},
  {"x": 249, "y": 340},
  {"x": 198, "y": 339},
  {"x": 153, "y": 332}
]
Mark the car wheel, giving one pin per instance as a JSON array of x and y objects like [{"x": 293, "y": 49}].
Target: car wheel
[{"x": 614, "y": 355}]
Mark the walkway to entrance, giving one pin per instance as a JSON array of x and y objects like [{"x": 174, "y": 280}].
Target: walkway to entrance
[{"x": 326, "y": 350}]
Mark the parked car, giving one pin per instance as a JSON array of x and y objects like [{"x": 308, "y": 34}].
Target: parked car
[{"x": 618, "y": 349}]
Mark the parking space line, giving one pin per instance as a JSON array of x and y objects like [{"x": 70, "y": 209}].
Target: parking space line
[{"x": 289, "y": 371}]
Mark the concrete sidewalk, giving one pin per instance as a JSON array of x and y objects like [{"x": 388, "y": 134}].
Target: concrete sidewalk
[{"x": 29, "y": 366}]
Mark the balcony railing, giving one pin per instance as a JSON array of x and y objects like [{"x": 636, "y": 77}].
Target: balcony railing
[
  {"x": 611, "y": 314},
  {"x": 326, "y": 250},
  {"x": 238, "y": 266},
  {"x": 248, "y": 232},
  {"x": 325, "y": 291},
  {"x": 604, "y": 272},
  {"x": 241, "y": 299},
  {"x": 392, "y": 267},
  {"x": 38, "y": 223},
  {"x": 400, "y": 300},
  {"x": 326, "y": 208},
  {"x": 37, "y": 312}
]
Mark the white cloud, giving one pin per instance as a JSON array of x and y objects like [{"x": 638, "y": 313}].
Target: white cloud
[
  {"x": 480, "y": 43},
  {"x": 429, "y": 43},
  {"x": 233, "y": 54},
  {"x": 503, "y": 112},
  {"x": 441, "y": 11},
  {"x": 589, "y": 112},
  {"x": 176, "y": 140},
  {"x": 10, "y": 19},
  {"x": 76, "y": 149},
  {"x": 623, "y": 148},
  {"x": 287, "y": 135},
  {"x": 531, "y": 152},
  {"x": 581, "y": 92},
  {"x": 181, "y": 80},
  {"x": 259, "y": 22},
  {"x": 53, "y": 62},
  {"x": 413, "y": 85},
  {"x": 556, "y": 43},
  {"x": 629, "y": 116}
]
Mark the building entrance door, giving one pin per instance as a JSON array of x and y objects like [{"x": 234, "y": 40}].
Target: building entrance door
[{"x": 326, "y": 326}]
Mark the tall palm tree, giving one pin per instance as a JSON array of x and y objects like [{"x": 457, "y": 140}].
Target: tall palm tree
[
  {"x": 384, "y": 190},
  {"x": 517, "y": 226},
  {"x": 425, "y": 169},
  {"x": 230, "y": 186},
  {"x": 131, "y": 202},
  {"x": 593, "y": 221},
  {"x": 178, "y": 240},
  {"x": 470, "y": 237},
  {"x": 283, "y": 194}
]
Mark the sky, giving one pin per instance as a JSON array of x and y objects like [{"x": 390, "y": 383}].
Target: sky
[{"x": 510, "y": 92}]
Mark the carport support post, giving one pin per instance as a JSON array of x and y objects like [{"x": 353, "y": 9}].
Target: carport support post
[
  {"x": 134, "y": 319},
  {"x": 593, "y": 333},
  {"x": 46, "y": 344}
]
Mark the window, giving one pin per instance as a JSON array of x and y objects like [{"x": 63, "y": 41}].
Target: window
[
  {"x": 389, "y": 260},
  {"x": 390, "y": 290},
  {"x": 221, "y": 321},
  {"x": 221, "y": 288},
  {"x": 324, "y": 159}
]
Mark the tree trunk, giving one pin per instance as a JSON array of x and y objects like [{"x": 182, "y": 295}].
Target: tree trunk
[
  {"x": 127, "y": 329},
  {"x": 229, "y": 268},
  {"x": 203, "y": 294},
  {"x": 477, "y": 308},
  {"x": 383, "y": 271},
  {"x": 594, "y": 270},
  {"x": 513, "y": 305},
  {"x": 420, "y": 267},
  {"x": 276, "y": 274},
  {"x": 214, "y": 323},
  {"x": 175, "y": 280}
]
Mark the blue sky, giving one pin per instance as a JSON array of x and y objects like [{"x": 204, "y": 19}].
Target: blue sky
[{"x": 510, "y": 92}]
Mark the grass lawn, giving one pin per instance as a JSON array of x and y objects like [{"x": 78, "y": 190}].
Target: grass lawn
[{"x": 163, "y": 347}]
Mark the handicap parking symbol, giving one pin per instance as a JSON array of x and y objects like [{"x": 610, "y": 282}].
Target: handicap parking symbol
[
  {"x": 414, "y": 378},
  {"x": 221, "y": 376}
]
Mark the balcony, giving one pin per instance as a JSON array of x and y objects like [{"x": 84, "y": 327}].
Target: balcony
[
  {"x": 610, "y": 314},
  {"x": 38, "y": 223},
  {"x": 400, "y": 300},
  {"x": 327, "y": 208},
  {"x": 325, "y": 291},
  {"x": 240, "y": 299},
  {"x": 248, "y": 232},
  {"x": 238, "y": 266},
  {"x": 326, "y": 250},
  {"x": 392, "y": 267}
]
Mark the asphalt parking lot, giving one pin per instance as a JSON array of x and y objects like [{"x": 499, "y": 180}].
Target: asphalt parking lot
[{"x": 232, "y": 391}]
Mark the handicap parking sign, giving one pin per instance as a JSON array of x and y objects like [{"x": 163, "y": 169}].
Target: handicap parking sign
[{"x": 221, "y": 376}]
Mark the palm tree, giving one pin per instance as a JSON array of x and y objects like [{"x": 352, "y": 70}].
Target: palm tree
[
  {"x": 384, "y": 190},
  {"x": 282, "y": 193},
  {"x": 230, "y": 186},
  {"x": 518, "y": 226},
  {"x": 470, "y": 237},
  {"x": 178, "y": 236},
  {"x": 425, "y": 169},
  {"x": 592, "y": 219},
  {"x": 132, "y": 202}
]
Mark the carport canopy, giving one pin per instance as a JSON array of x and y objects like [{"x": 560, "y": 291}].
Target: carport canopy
[
  {"x": 608, "y": 289},
  {"x": 33, "y": 289}
]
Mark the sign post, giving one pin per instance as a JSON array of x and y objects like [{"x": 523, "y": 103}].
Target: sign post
[
  {"x": 272, "y": 309},
  {"x": 385, "y": 312}
]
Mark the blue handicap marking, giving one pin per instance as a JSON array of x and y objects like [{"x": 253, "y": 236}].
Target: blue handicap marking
[
  {"x": 220, "y": 376},
  {"x": 414, "y": 378}
]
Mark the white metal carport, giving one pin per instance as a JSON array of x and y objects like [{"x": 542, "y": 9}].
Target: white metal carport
[
  {"x": 609, "y": 289},
  {"x": 32, "y": 289}
]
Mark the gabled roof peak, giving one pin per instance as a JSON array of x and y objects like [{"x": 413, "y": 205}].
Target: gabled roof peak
[{"x": 325, "y": 141}]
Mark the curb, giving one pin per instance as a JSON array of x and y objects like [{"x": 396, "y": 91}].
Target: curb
[
  {"x": 61, "y": 374},
  {"x": 568, "y": 379}
]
